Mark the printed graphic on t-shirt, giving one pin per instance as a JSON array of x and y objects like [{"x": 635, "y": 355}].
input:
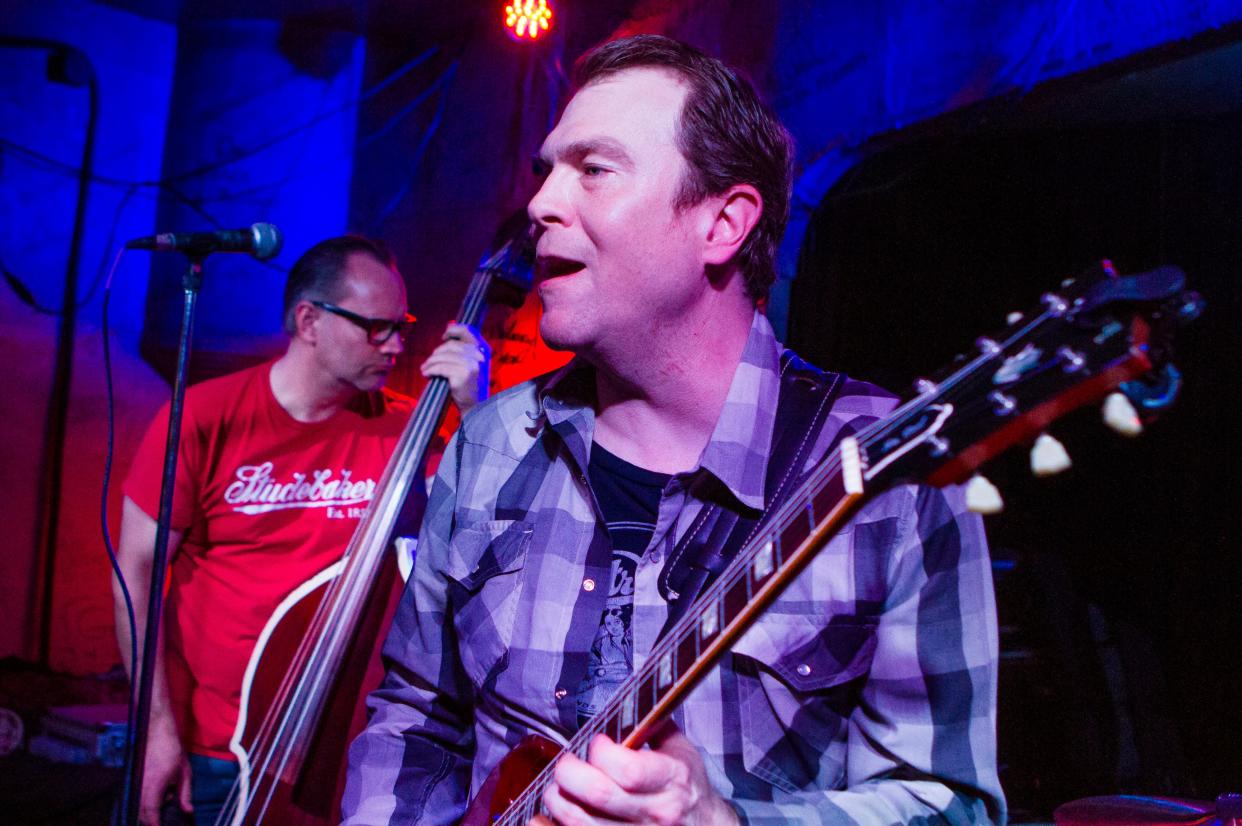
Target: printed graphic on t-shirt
[
  {"x": 256, "y": 491},
  {"x": 629, "y": 501},
  {"x": 611, "y": 658}
]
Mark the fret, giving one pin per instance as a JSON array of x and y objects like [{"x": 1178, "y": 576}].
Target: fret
[
  {"x": 665, "y": 670},
  {"x": 797, "y": 530},
  {"x": 627, "y": 713},
  {"x": 735, "y": 598},
  {"x": 709, "y": 621},
  {"x": 763, "y": 564},
  {"x": 687, "y": 651},
  {"x": 646, "y": 695},
  {"x": 613, "y": 727},
  {"x": 827, "y": 497}
]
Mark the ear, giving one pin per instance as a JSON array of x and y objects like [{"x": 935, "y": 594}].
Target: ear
[
  {"x": 735, "y": 214},
  {"x": 305, "y": 314}
]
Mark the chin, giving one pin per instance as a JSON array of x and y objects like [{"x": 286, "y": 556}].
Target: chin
[
  {"x": 371, "y": 383},
  {"x": 560, "y": 336}
]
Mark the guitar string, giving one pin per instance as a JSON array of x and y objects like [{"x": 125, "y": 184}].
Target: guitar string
[{"x": 797, "y": 503}]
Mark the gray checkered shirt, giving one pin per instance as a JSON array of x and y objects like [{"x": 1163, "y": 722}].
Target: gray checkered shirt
[{"x": 885, "y": 715}]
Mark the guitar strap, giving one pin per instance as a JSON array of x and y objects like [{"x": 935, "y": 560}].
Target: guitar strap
[{"x": 718, "y": 533}]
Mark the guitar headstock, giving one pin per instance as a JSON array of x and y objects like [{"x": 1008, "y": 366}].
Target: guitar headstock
[{"x": 1097, "y": 334}]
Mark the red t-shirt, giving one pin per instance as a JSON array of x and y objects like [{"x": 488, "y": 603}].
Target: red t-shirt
[{"x": 264, "y": 502}]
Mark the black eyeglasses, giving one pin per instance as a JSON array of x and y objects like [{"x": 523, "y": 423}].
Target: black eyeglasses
[{"x": 378, "y": 330}]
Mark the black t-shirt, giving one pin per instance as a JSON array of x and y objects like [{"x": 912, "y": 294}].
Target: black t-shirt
[{"x": 629, "y": 498}]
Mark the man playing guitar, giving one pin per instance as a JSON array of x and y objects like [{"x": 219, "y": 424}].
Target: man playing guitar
[{"x": 865, "y": 694}]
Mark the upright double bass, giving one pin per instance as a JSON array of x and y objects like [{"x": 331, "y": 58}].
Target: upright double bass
[{"x": 304, "y": 679}]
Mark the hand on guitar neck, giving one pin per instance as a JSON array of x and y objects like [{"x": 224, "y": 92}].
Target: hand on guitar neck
[
  {"x": 461, "y": 358},
  {"x": 665, "y": 784}
]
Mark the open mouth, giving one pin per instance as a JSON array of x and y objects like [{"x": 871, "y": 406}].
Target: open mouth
[{"x": 552, "y": 266}]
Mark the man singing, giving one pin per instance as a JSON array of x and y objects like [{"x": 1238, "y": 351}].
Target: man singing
[{"x": 865, "y": 694}]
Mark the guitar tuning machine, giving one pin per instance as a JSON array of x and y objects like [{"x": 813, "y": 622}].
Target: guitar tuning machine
[
  {"x": 1056, "y": 304},
  {"x": 1049, "y": 457},
  {"x": 987, "y": 346},
  {"x": 1002, "y": 403},
  {"x": 1120, "y": 415},
  {"x": 1071, "y": 360},
  {"x": 982, "y": 497}
]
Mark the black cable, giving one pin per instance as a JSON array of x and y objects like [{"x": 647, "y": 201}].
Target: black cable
[{"x": 107, "y": 536}]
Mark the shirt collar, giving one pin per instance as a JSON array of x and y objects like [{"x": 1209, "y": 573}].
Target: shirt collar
[{"x": 736, "y": 453}]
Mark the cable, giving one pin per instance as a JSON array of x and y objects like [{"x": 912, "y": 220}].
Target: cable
[{"x": 103, "y": 520}]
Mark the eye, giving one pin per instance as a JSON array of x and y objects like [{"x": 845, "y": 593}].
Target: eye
[
  {"x": 539, "y": 167},
  {"x": 592, "y": 170}
]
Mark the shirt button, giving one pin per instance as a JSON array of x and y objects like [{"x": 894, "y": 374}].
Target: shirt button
[
  {"x": 560, "y": 693},
  {"x": 588, "y": 584},
  {"x": 804, "y": 670},
  {"x": 655, "y": 558}
]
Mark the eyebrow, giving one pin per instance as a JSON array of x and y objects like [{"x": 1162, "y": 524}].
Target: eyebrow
[{"x": 578, "y": 150}]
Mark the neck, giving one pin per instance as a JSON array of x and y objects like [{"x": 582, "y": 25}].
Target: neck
[
  {"x": 303, "y": 391},
  {"x": 658, "y": 408}
]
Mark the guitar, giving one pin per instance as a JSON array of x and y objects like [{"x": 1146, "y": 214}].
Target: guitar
[
  {"x": 304, "y": 677},
  {"x": 1100, "y": 333}
]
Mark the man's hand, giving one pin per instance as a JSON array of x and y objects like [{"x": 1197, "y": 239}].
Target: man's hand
[
  {"x": 462, "y": 359},
  {"x": 665, "y": 785},
  {"x": 166, "y": 767}
]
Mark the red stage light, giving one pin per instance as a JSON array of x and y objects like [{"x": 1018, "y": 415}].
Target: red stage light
[{"x": 528, "y": 18}]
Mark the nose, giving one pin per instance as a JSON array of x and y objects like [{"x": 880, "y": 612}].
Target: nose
[
  {"x": 550, "y": 206},
  {"x": 393, "y": 346}
]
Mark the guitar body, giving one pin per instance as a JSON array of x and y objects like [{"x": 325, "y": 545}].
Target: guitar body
[
  {"x": 313, "y": 796},
  {"x": 509, "y": 779}
]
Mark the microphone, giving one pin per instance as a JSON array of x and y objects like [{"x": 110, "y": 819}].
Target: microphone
[{"x": 261, "y": 240}]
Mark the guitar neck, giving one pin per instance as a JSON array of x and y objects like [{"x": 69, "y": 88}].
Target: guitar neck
[
  {"x": 1069, "y": 352},
  {"x": 781, "y": 549}
]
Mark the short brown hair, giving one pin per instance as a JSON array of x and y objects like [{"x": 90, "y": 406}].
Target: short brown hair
[
  {"x": 317, "y": 275},
  {"x": 726, "y": 134}
]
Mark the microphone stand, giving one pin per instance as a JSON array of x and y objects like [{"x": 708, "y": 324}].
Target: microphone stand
[{"x": 190, "y": 283}]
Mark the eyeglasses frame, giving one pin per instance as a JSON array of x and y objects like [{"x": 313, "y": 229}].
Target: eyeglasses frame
[{"x": 368, "y": 325}]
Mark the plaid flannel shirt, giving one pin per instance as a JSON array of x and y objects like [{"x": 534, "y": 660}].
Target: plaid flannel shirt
[{"x": 884, "y": 716}]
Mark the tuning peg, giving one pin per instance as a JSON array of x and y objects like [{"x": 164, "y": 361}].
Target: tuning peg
[
  {"x": 1013, "y": 318},
  {"x": 982, "y": 496},
  {"x": 1121, "y": 416},
  {"x": 1048, "y": 456}
]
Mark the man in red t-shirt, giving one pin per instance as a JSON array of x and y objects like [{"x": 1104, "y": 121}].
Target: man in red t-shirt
[{"x": 276, "y": 465}]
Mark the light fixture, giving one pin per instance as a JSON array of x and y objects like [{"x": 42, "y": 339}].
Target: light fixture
[{"x": 527, "y": 19}]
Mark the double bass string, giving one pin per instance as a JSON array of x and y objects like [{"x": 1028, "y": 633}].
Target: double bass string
[{"x": 303, "y": 686}]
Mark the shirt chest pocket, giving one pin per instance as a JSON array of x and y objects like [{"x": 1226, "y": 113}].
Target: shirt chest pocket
[
  {"x": 486, "y": 585},
  {"x": 797, "y": 682}
]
